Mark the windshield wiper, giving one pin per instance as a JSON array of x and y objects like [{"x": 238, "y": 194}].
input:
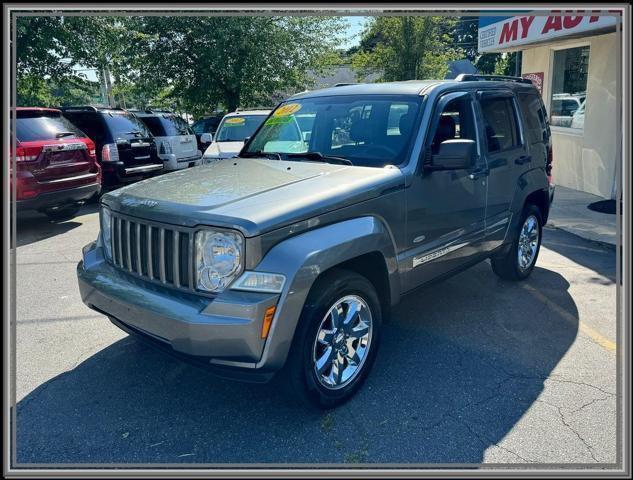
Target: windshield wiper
[
  {"x": 133, "y": 132},
  {"x": 259, "y": 153},
  {"x": 63, "y": 134},
  {"x": 318, "y": 156}
]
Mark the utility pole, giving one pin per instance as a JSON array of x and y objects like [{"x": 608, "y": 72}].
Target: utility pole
[{"x": 108, "y": 85}]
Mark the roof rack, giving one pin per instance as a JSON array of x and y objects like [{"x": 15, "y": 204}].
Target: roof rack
[
  {"x": 473, "y": 77},
  {"x": 88, "y": 108},
  {"x": 345, "y": 84}
]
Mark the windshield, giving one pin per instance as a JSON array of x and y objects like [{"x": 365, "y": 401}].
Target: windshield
[
  {"x": 237, "y": 128},
  {"x": 124, "y": 124},
  {"x": 34, "y": 126},
  {"x": 368, "y": 130},
  {"x": 166, "y": 125}
]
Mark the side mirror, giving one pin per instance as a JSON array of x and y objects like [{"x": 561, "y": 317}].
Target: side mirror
[
  {"x": 455, "y": 154},
  {"x": 206, "y": 138}
]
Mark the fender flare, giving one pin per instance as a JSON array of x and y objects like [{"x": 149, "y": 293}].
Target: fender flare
[
  {"x": 533, "y": 180},
  {"x": 304, "y": 257}
]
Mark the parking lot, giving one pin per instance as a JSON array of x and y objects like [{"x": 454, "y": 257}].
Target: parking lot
[{"x": 472, "y": 369}]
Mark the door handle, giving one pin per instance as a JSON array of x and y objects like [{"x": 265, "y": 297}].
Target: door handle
[
  {"x": 480, "y": 172},
  {"x": 523, "y": 159}
]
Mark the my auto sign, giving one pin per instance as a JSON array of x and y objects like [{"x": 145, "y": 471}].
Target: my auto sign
[{"x": 528, "y": 29}]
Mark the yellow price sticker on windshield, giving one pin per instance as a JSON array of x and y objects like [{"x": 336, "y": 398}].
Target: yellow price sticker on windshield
[
  {"x": 235, "y": 121},
  {"x": 287, "y": 109}
]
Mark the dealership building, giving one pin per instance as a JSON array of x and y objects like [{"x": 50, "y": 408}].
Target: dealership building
[{"x": 574, "y": 58}]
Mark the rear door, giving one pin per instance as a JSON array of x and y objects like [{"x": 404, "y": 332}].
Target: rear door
[
  {"x": 51, "y": 147},
  {"x": 505, "y": 152},
  {"x": 446, "y": 209}
]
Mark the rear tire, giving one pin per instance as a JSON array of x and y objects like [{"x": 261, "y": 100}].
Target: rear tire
[
  {"x": 330, "y": 358},
  {"x": 62, "y": 213},
  {"x": 518, "y": 262}
]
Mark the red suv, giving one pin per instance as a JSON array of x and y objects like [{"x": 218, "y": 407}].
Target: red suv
[{"x": 57, "y": 168}]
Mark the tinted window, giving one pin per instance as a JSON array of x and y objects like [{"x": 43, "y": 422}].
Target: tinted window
[
  {"x": 34, "y": 126},
  {"x": 166, "y": 125},
  {"x": 89, "y": 123},
  {"x": 124, "y": 124},
  {"x": 535, "y": 118},
  {"x": 237, "y": 128},
  {"x": 500, "y": 124},
  {"x": 456, "y": 121}
]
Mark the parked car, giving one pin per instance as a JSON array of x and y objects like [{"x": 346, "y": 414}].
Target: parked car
[
  {"x": 233, "y": 130},
  {"x": 564, "y": 107},
  {"x": 205, "y": 125},
  {"x": 176, "y": 142},
  {"x": 578, "y": 118},
  {"x": 56, "y": 165},
  {"x": 290, "y": 261},
  {"x": 125, "y": 147}
]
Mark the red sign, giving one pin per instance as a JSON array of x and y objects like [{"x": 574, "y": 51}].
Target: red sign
[{"x": 536, "y": 79}]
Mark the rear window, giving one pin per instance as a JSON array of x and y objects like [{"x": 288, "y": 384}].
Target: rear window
[
  {"x": 166, "y": 125},
  {"x": 500, "y": 123},
  {"x": 535, "y": 118},
  {"x": 35, "y": 126},
  {"x": 124, "y": 124}
]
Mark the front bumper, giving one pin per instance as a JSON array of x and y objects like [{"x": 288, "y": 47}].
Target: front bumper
[
  {"x": 223, "y": 332},
  {"x": 59, "y": 198}
]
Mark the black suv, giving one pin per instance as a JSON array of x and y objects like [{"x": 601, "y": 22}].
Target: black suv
[{"x": 125, "y": 147}]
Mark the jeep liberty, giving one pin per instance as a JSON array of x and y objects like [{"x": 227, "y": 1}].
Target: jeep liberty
[{"x": 289, "y": 257}]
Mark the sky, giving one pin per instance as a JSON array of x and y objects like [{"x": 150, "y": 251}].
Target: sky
[{"x": 354, "y": 28}]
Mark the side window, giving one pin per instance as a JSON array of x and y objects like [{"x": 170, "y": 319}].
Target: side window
[
  {"x": 500, "y": 124},
  {"x": 535, "y": 118},
  {"x": 90, "y": 124},
  {"x": 456, "y": 121}
]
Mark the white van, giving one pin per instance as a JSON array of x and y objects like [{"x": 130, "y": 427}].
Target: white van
[{"x": 175, "y": 140}]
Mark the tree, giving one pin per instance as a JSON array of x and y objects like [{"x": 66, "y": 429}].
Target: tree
[
  {"x": 233, "y": 61},
  {"x": 407, "y": 47},
  {"x": 465, "y": 36}
]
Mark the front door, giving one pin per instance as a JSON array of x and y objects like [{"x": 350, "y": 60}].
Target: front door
[{"x": 446, "y": 208}]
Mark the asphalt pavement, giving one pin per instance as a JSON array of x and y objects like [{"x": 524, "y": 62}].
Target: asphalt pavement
[{"x": 470, "y": 370}]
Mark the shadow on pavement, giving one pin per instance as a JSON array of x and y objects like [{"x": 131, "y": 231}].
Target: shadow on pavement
[
  {"x": 460, "y": 364},
  {"x": 32, "y": 227},
  {"x": 595, "y": 256}
]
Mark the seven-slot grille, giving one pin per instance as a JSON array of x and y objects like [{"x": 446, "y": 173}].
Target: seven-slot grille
[{"x": 155, "y": 252}]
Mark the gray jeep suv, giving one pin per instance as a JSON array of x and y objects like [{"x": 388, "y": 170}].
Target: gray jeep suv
[{"x": 289, "y": 257}]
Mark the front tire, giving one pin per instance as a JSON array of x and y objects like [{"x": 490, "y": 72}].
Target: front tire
[
  {"x": 519, "y": 261},
  {"x": 336, "y": 340}
]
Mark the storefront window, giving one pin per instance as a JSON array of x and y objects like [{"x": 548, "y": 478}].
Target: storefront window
[{"x": 569, "y": 88}]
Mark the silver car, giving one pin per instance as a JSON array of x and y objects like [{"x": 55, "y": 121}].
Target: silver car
[{"x": 289, "y": 257}]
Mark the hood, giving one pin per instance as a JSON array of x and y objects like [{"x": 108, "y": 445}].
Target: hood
[
  {"x": 250, "y": 194},
  {"x": 223, "y": 149}
]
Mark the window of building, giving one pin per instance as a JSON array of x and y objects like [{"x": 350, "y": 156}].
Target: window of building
[
  {"x": 500, "y": 124},
  {"x": 569, "y": 88}
]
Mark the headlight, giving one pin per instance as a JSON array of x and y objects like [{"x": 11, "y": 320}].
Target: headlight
[
  {"x": 218, "y": 259},
  {"x": 106, "y": 231}
]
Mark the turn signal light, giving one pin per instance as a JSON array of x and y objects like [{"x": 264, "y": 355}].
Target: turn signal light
[{"x": 268, "y": 320}]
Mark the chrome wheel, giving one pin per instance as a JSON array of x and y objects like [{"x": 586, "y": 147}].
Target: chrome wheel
[
  {"x": 342, "y": 342},
  {"x": 528, "y": 242}
]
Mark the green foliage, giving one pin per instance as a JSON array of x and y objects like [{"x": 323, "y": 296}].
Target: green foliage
[
  {"x": 407, "y": 47},
  {"x": 233, "y": 61},
  {"x": 193, "y": 63}
]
